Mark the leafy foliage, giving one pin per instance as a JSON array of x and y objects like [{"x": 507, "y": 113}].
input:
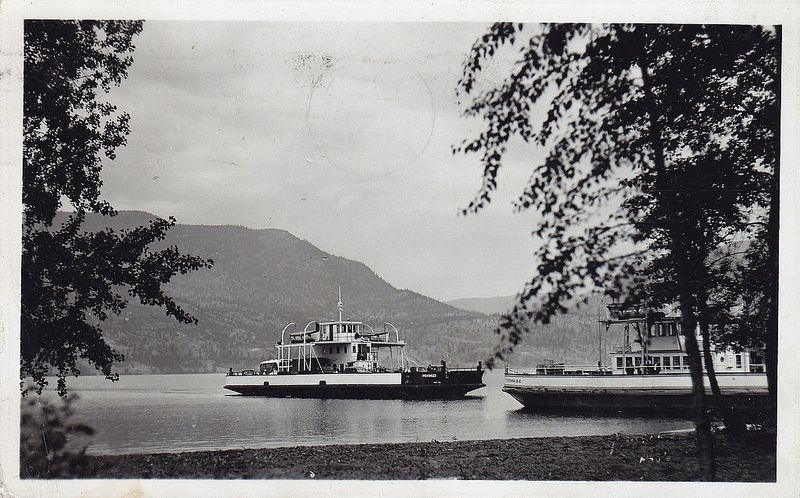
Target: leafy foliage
[
  {"x": 46, "y": 432},
  {"x": 660, "y": 148},
  {"x": 71, "y": 279}
]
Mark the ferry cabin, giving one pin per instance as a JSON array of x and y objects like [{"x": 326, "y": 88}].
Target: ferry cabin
[
  {"x": 339, "y": 346},
  {"x": 655, "y": 345}
]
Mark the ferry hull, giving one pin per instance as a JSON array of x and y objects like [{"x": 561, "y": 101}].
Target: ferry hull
[
  {"x": 439, "y": 391},
  {"x": 627, "y": 401},
  {"x": 746, "y": 393},
  {"x": 406, "y": 385}
]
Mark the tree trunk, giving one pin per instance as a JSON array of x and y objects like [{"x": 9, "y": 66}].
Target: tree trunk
[
  {"x": 705, "y": 445},
  {"x": 683, "y": 269},
  {"x": 700, "y": 279},
  {"x": 732, "y": 422},
  {"x": 700, "y": 272}
]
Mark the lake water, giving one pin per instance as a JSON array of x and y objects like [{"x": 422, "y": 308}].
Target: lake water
[{"x": 160, "y": 413}]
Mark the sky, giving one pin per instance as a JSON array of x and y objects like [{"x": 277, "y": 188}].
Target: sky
[{"x": 339, "y": 133}]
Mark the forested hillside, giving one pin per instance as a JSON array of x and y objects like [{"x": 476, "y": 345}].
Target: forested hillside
[
  {"x": 485, "y": 305},
  {"x": 263, "y": 279}
]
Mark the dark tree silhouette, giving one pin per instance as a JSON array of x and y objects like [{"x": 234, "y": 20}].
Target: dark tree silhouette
[
  {"x": 660, "y": 147},
  {"x": 71, "y": 279}
]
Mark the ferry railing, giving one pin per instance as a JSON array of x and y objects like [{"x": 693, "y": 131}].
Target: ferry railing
[
  {"x": 243, "y": 373},
  {"x": 561, "y": 369},
  {"x": 249, "y": 373},
  {"x": 396, "y": 333},
  {"x": 284, "y": 363}
]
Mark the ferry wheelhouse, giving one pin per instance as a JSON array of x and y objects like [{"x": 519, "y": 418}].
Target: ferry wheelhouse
[
  {"x": 648, "y": 371},
  {"x": 350, "y": 359}
]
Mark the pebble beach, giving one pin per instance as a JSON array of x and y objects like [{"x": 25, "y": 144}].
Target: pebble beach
[{"x": 748, "y": 457}]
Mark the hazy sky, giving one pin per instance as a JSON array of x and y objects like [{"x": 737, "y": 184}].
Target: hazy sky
[{"x": 338, "y": 133}]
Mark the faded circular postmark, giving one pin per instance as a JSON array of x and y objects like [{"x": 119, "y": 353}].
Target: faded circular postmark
[{"x": 367, "y": 117}]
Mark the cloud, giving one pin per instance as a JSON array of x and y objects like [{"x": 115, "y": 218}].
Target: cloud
[{"x": 320, "y": 129}]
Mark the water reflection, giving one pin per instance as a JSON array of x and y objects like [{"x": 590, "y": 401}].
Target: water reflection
[{"x": 153, "y": 413}]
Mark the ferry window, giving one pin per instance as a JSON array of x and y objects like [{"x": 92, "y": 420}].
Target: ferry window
[
  {"x": 671, "y": 329},
  {"x": 738, "y": 361},
  {"x": 354, "y": 348},
  {"x": 619, "y": 362},
  {"x": 650, "y": 331},
  {"x": 667, "y": 364},
  {"x": 628, "y": 361},
  {"x": 676, "y": 362},
  {"x": 337, "y": 349},
  {"x": 685, "y": 361},
  {"x": 638, "y": 361},
  {"x": 656, "y": 361}
]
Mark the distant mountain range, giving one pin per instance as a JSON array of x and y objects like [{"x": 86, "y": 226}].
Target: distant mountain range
[
  {"x": 263, "y": 279},
  {"x": 485, "y": 305}
]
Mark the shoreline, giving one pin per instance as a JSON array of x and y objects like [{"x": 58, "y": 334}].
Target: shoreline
[{"x": 748, "y": 457}]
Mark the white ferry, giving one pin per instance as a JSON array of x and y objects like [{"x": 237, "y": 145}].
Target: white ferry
[
  {"x": 349, "y": 359},
  {"x": 650, "y": 371}
]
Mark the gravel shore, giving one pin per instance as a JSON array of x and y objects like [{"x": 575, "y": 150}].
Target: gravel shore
[{"x": 666, "y": 457}]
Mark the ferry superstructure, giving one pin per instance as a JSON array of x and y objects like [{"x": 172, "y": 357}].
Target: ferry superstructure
[
  {"x": 648, "y": 371},
  {"x": 350, "y": 359}
]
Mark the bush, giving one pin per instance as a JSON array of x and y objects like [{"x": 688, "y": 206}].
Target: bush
[{"x": 45, "y": 435}]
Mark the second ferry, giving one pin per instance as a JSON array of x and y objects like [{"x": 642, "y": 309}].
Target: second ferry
[{"x": 648, "y": 372}]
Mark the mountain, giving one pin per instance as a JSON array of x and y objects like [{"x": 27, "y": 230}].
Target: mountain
[
  {"x": 261, "y": 280},
  {"x": 485, "y": 305}
]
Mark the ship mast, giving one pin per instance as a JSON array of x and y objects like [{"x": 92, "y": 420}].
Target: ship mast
[{"x": 339, "y": 305}]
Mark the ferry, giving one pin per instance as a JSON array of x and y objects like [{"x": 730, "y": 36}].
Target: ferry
[
  {"x": 648, "y": 372},
  {"x": 350, "y": 359}
]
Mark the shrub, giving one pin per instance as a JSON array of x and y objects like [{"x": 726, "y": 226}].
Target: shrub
[{"x": 45, "y": 436}]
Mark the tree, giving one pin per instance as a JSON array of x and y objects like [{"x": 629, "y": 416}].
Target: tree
[
  {"x": 717, "y": 110},
  {"x": 658, "y": 149},
  {"x": 71, "y": 279}
]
